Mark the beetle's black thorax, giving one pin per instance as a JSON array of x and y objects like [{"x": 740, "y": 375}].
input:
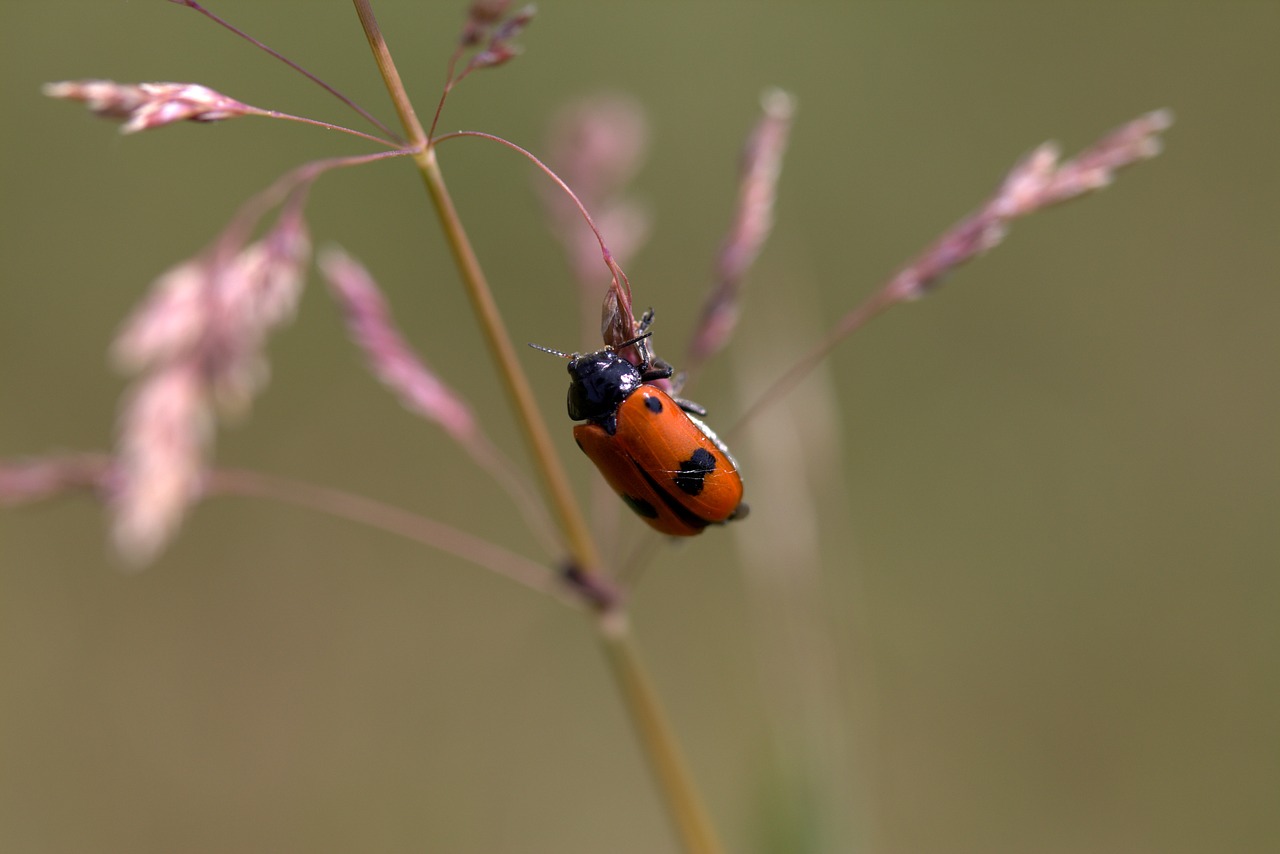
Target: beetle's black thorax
[{"x": 600, "y": 382}]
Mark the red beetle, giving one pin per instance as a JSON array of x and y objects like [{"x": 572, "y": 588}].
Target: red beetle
[{"x": 665, "y": 463}]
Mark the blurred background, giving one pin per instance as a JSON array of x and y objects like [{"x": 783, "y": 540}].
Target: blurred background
[{"x": 1010, "y": 583}]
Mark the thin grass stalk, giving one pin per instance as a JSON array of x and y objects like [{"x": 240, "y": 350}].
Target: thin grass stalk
[
  {"x": 866, "y": 311},
  {"x": 657, "y": 739},
  {"x": 586, "y": 556},
  {"x": 390, "y": 76},
  {"x": 693, "y": 825},
  {"x": 582, "y": 546}
]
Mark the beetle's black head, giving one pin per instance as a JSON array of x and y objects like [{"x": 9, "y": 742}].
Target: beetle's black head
[{"x": 600, "y": 382}]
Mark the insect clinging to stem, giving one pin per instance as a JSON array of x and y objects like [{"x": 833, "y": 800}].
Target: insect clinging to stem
[{"x": 651, "y": 448}]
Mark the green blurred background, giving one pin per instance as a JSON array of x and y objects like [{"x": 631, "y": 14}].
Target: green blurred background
[{"x": 1010, "y": 584}]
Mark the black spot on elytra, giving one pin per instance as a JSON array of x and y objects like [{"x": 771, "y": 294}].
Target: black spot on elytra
[
  {"x": 672, "y": 503},
  {"x": 652, "y": 403},
  {"x": 641, "y": 507},
  {"x": 694, "y": 471}
]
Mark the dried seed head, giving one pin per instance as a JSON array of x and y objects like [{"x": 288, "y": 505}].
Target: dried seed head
[
  {"x": 514, "y": 25},
  {"x": 150, "y": 105},
  {"x": 481, "y": 15},
  {"x": 493, "y": 56},
  {"x": 480, "y": 22},
  {"x": 500, "y": 48},
  {"x": 614, "y": 326},
  {"x": 618, "y": 323}
]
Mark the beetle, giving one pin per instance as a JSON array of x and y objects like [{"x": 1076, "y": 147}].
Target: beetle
[{"x": 651, "y": 448}]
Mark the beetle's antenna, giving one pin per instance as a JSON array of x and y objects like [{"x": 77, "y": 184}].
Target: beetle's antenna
[
  {"x": 629, "y": 341},
  {"x": 552, "y": 352}
]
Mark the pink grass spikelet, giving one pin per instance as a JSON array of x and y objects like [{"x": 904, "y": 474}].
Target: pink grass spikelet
[
  {"x": 1034, "y": 183},
  {"x": 483, "y": 22},
  {"x": 392, "y": 360},
  {"x": 1023, "y": 188},
  {"x": 753, "y": 220},
  {"x": 165, "y": 430},
  {"x": 1097, "y": 165},
  {"x": 169, "y": 321},
  {"x": 493, "y": 56},
  {"x": 1038, "y": 181},
  {"x": 761, "y": 166},
  {"x": 150, "y": 105},
  {"x": 220, "y": 313},
  {"x": 597, "y": 145},
  {"x": 283, "y": 256},
  {"x": 198, "y": 341},
  {"x": 251, "y": 297},
  {"x": 481, "y": 15}
]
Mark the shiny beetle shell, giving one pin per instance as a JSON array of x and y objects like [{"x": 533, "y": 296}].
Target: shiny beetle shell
[{"x": 665, "y": 464}]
